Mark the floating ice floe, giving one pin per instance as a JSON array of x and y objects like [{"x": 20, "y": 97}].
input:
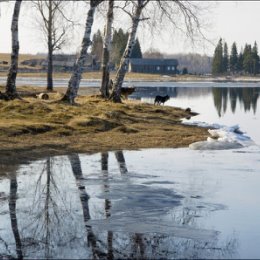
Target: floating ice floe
[{"x": 222, "y": 138}]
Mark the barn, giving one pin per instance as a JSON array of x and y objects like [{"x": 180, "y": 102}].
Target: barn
[{"x": 154, "y": 66}]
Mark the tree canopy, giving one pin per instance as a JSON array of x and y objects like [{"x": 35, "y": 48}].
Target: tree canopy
[
  {"x": 246, "y": 62},
  {"x": 119, "y": 41}
]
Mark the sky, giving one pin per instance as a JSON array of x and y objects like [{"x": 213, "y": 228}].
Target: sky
[{"x": 231, "y": 20}]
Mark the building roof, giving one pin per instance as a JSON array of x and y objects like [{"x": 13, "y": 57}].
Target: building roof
[{"x": 154, "y": 62}]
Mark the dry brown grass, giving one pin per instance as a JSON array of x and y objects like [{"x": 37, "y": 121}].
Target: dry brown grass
[
  {"x": 22, "y": 57},
  {"x": 96, "y": 75},
  {"x": 34, "y": 127}
]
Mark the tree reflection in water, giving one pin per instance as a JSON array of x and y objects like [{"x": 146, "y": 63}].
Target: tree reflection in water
[
  {"x": 13, "y": 217},
  {"x": 84, "y": 198},
  {"x": 247, "y": 97},
  {"x": 49, "y": 222},
  {"x": 147, "y": 246},
  {"x": 121, "y": 162},
  {"x": 50, "y": 226},
  {"x": 104, "y": 170}
]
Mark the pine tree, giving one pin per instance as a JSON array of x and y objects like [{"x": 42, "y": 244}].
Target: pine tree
[
  {"x": 255, "y": 59},
  {"x": 217, "y": 63},
  {"x": 247, "y": 59},
  {"x": 225, "y": 59},
  {"x": 137, "y": 53},
  {"x": 240, "y": 62},
  {"x": 97, "y": 45},
  {"x": 233, "y": 61},
  {"x": 119, "y": 42}
]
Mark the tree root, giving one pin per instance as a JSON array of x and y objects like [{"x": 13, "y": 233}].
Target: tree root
[{"x": 10, "y": 96}]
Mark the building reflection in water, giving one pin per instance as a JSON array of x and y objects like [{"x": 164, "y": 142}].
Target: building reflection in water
[{"x": 55, "y": 219}]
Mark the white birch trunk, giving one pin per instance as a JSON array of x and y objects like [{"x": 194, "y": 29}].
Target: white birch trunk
[
  {"x": 74, "y": 81},
  {"x": 11, "y": 78},
  {"x": 73, "y": 86},
  {"x": 50, "y": 48},
  {"x": 106, "y": 51},
  {"x": 120, "y": 75}
]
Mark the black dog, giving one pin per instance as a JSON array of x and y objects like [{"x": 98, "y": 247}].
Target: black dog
[{"x": 160, "y": 99}]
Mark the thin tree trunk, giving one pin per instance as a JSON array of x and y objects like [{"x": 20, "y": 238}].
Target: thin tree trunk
[
  {"x": 106, "y": 51},
  {"x": 13, "y": 217},
  {"x": 84, "y": 198},
  {"x": 50, "y": 50},
  {"x": 72, "y": 90},
  {"x": 47, "y": 209},
  {"x": 120, "y": 75},
  {"x": 50, "y": 69},
  {"x": 121, "y": 162},
  {"x": 104, "y": 168},
  {"x": 11, "y": 78}
]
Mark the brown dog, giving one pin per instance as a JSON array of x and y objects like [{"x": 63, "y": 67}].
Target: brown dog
[{"x": 126, "y": 91}]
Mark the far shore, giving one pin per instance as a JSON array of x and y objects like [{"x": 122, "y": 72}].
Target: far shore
[{"x": 141, "y": 77}]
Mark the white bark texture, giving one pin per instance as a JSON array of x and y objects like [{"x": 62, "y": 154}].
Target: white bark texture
[
  {"x": 11, "y": 78},
  {"x": 120, "y": 75},
  {"x": 106, "y": 51},
  {"x": 73, "y": 86},
  {"x": 50, "y": 47}
]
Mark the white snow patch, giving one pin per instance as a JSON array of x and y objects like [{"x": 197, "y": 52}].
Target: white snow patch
[{"x": 222, "y": 138}]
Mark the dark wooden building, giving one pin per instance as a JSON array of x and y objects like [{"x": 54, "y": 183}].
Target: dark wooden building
[{"x": 155, "y": 66}]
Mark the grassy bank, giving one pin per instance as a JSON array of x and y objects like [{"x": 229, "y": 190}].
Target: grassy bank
[{"x": 33, "y": 128}]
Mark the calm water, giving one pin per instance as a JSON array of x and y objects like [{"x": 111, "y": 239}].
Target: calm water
[{"x": 156, "y": 203}]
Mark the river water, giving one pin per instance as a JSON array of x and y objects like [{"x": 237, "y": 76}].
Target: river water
[{"x": 152, "y": 203}]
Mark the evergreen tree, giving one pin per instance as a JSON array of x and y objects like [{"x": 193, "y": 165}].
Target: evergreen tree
[
  {"x": 137, "y": 53},
  {"x": 217, "y": 63},
  {"x": 255, "y": 59},
  {"x": 119, "y": 42},
  {"x": 97, "y": 45},
  {"x": 225, "y": 59},
  {"x": 247, "y": 59},
  {"x": 233, "y": 61},
  {"x": 240, "y": 62}
]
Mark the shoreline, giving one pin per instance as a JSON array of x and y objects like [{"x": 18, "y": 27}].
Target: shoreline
[{"x": 138, "y": 77}]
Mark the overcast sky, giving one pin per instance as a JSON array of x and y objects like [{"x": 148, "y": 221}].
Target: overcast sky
[{"x": 232, "y": 20}]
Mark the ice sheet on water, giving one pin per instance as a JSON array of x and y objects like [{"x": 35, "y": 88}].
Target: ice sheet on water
[
  {"x": 222, "y": 138},
  {"x": 131, "y": 225}
]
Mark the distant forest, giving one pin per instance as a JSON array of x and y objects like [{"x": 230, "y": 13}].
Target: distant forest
[
  {"x": 222, "y": 63},
  {"x": 244, "y": 63}
]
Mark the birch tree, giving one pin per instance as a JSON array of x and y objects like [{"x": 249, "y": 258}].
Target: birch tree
[
  {"x": 73, "y": 86},
  {"x": 180, "y": 15},
  {"x": 120, "y": 75},
  {"x": 54, "y": 24},
  {"x": 104, "y": 89},
  {"x": 12, "y": 73}
]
